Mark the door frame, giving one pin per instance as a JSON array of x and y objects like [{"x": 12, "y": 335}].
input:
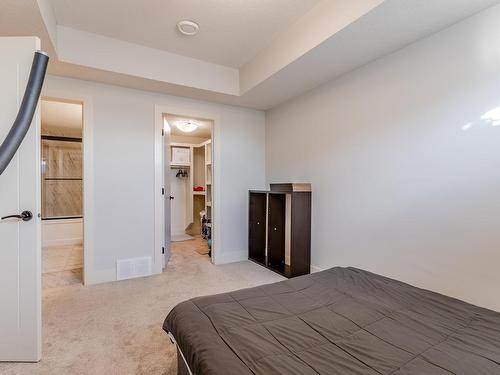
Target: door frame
[
  {"x": 88, "y": 177},
  {"x": 159, "y": 215}
]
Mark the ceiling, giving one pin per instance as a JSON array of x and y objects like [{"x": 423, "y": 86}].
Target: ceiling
[
  {"x": 61, "y": 115},
  {"x": 250, "y": 53},
  {"x": 231, "y": 31},
  {"x": 204, "y": 130}
]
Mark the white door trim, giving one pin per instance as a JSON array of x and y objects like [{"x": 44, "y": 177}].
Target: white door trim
[
  {"x": 185, "y": 111},
  {"x": 159, "y": 235},
  {"x": 89, "y": 273}
]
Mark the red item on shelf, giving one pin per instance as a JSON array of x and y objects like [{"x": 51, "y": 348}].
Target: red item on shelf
[{"x": 198, "y": 188}]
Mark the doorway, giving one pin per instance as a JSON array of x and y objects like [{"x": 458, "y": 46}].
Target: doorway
[
  {"x": 188, "y": 180},
  {"x": 62, "y": 192}
]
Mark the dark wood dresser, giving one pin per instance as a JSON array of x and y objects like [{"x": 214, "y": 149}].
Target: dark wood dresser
[{"x": 279, "y": 232}]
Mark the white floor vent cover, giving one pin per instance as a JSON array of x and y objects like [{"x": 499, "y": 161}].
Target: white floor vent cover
[{"x": 134, "y": 267}]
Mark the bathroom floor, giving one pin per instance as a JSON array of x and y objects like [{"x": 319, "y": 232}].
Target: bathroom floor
[{"x": 61, "y": 266}]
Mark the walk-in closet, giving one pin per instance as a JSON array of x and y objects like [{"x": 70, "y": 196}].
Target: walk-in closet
[{"x": 190, "y": 195}]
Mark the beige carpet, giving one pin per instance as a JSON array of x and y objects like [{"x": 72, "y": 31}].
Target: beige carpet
[
  {"x": 62, "y": 278},
  {"x": 61, "y": 266},
  {"x": 115, "y": 328},
  {"x": 200, "y": 246},
  {"x": 181, "y": 237},
  {"x": 62, "y": 258},
  {"x": 197, "y": 243}
]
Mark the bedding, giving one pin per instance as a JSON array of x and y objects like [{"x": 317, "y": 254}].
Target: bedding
[{"x": 339, "y": 321}]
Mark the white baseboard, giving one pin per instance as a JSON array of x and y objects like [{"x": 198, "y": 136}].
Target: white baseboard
[
  {"x": 316, "y": 269},
  {"x": 231, "y": 257}
]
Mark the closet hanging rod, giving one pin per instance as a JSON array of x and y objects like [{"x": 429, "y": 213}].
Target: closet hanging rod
[{"x": 179, "y": 166}]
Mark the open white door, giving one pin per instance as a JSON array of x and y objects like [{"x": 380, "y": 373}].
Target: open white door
[
  {"x": 20, "y": 249},
  {"x": 167, "y": 190}
]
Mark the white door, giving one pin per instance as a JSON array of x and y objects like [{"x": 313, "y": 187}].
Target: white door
[
  {"x": 20, "y": 252},
  {"x": 167, "y": 195}
]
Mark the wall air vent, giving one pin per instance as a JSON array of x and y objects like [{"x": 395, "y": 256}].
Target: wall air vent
[{"x": 133, "y": 267}]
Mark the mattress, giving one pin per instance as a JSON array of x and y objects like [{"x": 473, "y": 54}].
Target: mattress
[{"x": 339, "y": 321}]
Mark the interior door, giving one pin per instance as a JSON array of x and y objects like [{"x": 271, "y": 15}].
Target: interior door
[
  {"x": 167, "y": 195},
  {"x": 20, "y": 246}
]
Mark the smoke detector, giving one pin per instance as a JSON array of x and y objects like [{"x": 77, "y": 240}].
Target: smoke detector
[{"x": 188, "y": 28}]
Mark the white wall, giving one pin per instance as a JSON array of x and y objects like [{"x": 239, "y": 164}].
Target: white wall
[
  {"x": 405, "y": 173},
  {"x": 120, "y": 124}
]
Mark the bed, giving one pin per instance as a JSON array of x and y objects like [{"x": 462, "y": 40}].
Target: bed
[{"x": 339, "y": 321}]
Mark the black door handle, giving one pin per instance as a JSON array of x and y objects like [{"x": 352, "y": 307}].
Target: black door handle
[
  {"x": 170, "y": 197},
  {"x": 25, "y": 216}
]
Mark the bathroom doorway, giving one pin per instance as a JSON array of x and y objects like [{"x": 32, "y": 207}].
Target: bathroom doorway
[{"x": 62, "y": 192}]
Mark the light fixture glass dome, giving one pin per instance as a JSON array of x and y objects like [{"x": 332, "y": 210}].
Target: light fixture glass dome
[{"x": 186, "y": 126}]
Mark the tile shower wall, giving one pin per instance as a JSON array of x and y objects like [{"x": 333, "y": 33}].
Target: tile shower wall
[{"x": 62, "y": 192}]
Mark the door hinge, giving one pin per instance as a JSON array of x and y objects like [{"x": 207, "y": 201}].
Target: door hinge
[
  {"x": 163, "y": 250},
  {"x": 162, "y": 132},
  {"x": 162, "y": 191}
]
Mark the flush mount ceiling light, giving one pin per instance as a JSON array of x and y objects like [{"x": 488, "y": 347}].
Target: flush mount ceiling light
[
  {"x": 189, "y": 28},
  {"x": 186, "y": 126}
]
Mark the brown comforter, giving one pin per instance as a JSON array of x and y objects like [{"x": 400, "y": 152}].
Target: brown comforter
[{"x": 340, "y": 321}]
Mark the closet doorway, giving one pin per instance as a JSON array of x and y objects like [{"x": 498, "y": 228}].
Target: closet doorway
[
  {"x": 189, "y": 186},
  {"x": 61, "y": 192}
]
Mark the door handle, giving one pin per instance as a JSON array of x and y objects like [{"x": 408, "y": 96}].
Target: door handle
[
  {"x": 170, "y": 197},
  {"x": 25, "y": 216}
]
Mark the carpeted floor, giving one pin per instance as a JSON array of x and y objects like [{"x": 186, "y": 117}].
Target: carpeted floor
[
  {"x": 62, "y": 266},
  {"x": 115, "y": 328},
  {"x": 182, "y": 237},
  {"x": 199, "y": 245},
  {"x": 62, "y": 258}
]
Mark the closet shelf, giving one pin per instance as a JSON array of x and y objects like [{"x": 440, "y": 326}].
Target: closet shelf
[
  {"x": 177, "y": 165},
  {"x": 199, "y": 192}
]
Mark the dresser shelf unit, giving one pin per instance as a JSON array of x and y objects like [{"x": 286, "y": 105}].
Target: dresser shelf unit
[{"x": 279, "y": 233}]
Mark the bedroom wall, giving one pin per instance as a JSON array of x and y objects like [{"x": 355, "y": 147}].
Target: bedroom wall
[
  {"x": 119, "y": 223},
  {"x": 404, "y": 160}
]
